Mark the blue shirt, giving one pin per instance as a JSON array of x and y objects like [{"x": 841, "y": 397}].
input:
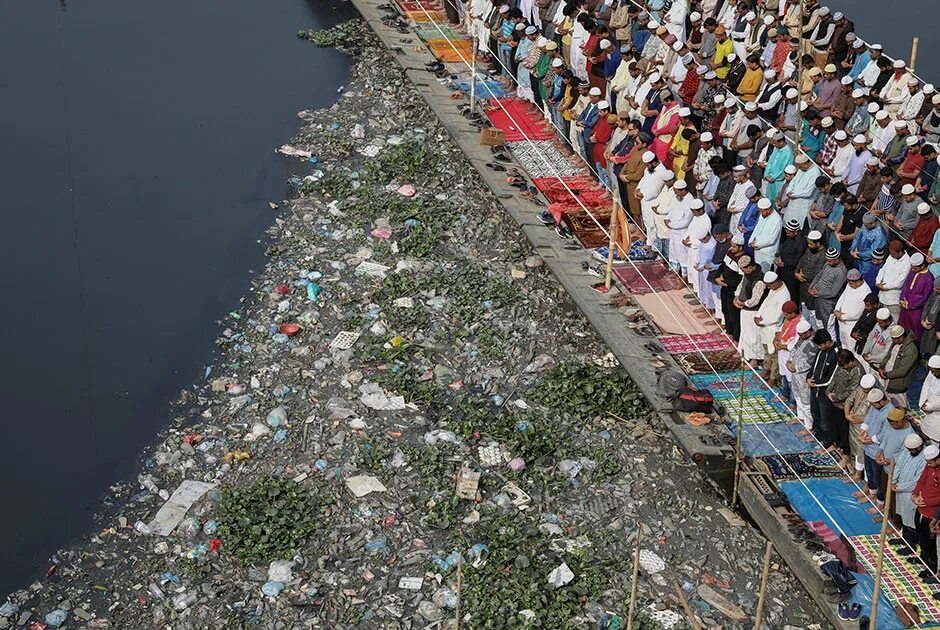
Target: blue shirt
[
  {"x": 865, "y": 242},
  {"x": 611, "y": 63},
  {"x": 860, "y": 62},
  {"x": 877, "y": 420},
  {"x": 748, "y": 221}
]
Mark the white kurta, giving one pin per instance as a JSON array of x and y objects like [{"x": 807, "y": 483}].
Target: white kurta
[
  {"x": 737, "y": 203},
  {"x": 851, "y": 304},
  {"x": 929, "y": 403},
  {"x": 765, "y": 239},
  {"x": 892, "y": 275},
  {"x": 771, "y": 314},
  {"x": 661, "y": 208},
  {"x": 650, "y": 185},
  {"x": 697, "y": 226},
  {"x": 679, "y": 218}
]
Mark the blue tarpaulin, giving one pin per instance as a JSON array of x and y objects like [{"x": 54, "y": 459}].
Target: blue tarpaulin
[
  {"x": 781, "y": 434},
  {"x": 843, "y": 513}
]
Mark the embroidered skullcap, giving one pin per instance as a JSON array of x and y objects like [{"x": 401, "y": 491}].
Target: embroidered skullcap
[
  {"x": 896, "y": 415},
  {"x": 768, "y": 20},
  {"x": 876, "y": 47},
  {"x": 913, "y": 441},
  {"x": 702, "y": 71},
  {"x": 687, "y": 59},
  {"x": 823, "y": 11},
  {"x": 732, "y": 57},
  {"x": 750, "y": 15},
  {"x": 826, "y": 121},
  {"x": 858, "y": 43},
  {"x": 792, "y": 224},
  {"x": 531, "y": 30},
  {"x": 928, "y": 88},
  {"x": 541, "y": 42},
  {"x": 551, "y": 46},
  {"x": 883, "y": 314},
  {"x": 719, "y": 98},
  {"x": 695, "y": 16},
  {"x": 873, "y": 107},
  {"x": 655, "y": 77},
  {"x": 685, "y": 112},
  {"x": 860, "y": 139},
  {"x": 603, "y": 105},
  {"x": 710, "y": 75},
  {"x": 911, "y": 140},
  {"x": 677, "y": 46},
  {"x": 832, "y": 253},
  {"x": 830, "y": 68},
  {"x": 935, "y": 99},
  {"x": 913, "y": 81},
  {"x": 841, "y": 135},
  {"x": 846, "y": 80},
  {"x": 857, "y": 93},
  {"x": 879, "y": 254},
  {"x": 504, "y": 8},
  {"x": 881, "y": 115},
  {"x": 896, "y": 331},
  {"x": 519, "y": 27},
  {"x": 770, "y": 74},
  {"x": 738, "y": 239},
  {"x": 740, "y": 168},
  {"x": 750, "y": 106}
]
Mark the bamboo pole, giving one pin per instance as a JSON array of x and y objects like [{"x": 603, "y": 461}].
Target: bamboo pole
[
  {"x": 636, "y": 575},
  {"x": 881, "y": 549},
  {"x": 768, "y": 554},
  {"x": 914, "y": 45},
  {"x": 737, "y": 448},
  {"x": 685, "y": 605},
  {"x": 473, "y": 64},
  {"x": 459, "y": 581},
  {"x": 608, "y": 274}
]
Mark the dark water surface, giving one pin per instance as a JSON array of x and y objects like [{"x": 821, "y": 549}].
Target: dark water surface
[{"x": 136, "y": 165}]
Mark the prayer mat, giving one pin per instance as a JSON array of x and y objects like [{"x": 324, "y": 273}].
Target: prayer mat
[
  {"x": 652, "y": 277},
  {"x": 419, "y": 6},
  {"x": 672, "y": 314},
  {"x": 584, "y": 226},
  {"x": 711, "y": 362},
  {"x": 520, "y": 122},
  {"x": 769, "y": 438},
  {"x": 755, "y": 409},
  {"x": 696, "y": 343},
  {"x": 802, "y": 465},
  {"x": 420, "y": 17},
  {"x": 728, "y": 384},
  {"x": 488, "y": 88},
  {"x": 451, "y": 51},
  {"x": 432, "y": 32},
  {"x": 540, "y": 158},
  {"x": 842, "y": 511},
  {"x": 899, "y": 577},
  {"x": 572, "y": 190}
]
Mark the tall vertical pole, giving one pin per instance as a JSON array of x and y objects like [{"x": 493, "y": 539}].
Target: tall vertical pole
[
  {"x": 636, "y": 575},
  {"x": 608, "y": 276},
  {"x": 914, "y": 46},
  {"x": 737, "y": 448},
  {"x": 768, "y": 554},
  {"x": 881, "y": 550},
  {"x": 473, "y": 64},
  {"x": 799, "y": 85}
]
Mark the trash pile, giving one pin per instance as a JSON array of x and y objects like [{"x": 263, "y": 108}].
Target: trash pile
[{"x": 408, "y": 414}]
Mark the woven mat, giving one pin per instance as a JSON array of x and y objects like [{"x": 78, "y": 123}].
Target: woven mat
[
  {"x": 486, "y": 88},
  {"x": 674, "y": 344},
  {"x": 899, "y": 577},
  {"x": 673, "y": 315},
  {"x": 420, "y": 17},
  {"x": 727, "y": 384},
  {"x": 756, "y": 409},
  {"x": 585, "y": 228},
  {"x": 572, "y": 190},
  {"x": 451, "y": 52},
  {"x": 799, "y": 465},
  {"x": 520, "y": 123},
  {"x": 432, "y": 32},
  {"x": 648, "y": 278},
  {"x": 419, "y": 5},
  {"x": 540, "y": 158}
]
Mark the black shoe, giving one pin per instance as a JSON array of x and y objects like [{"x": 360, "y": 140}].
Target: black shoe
[
  {"x": 904, "y": 551},
  {"x": 595, "y": 271},
  {"x": 563, "y": 231},
  {"x": 897, "y": 542},
  {"x": 546, "y": 218}
]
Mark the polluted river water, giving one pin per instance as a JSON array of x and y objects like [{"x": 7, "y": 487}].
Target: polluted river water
[{"x": 137, "y": 164}]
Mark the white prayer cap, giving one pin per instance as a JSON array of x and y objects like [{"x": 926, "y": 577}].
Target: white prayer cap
[
  {"x": 706, "y": 137},
  {"x": 792, "y": 93},
  {"x": 750, "y": 106},
  {"x": 772, "y": 133},
  {"x": 850, "y": 37},
  {"x": 935, "y": 99},
  {"x": 814, "y": 235},
  {"x": 931, "y": 452},
  {"x": 860, "y": 139},
  {"x": 668, "y": 175},
  {"x": 541, "y": 42},
  {"x": 858, "y": 44},
  {"x": 881, "y": 115},
  {"x": 873, "y": 161},
  {"x": 790, "y": 169},
  {"x": 768, "y": 20},
  {"x": 531, "y": 30},
  {"x": 934, "y": 361},
  {"x": 846, "y": 80},
  {"x": 710, "y": 75},
  {"x": 702, "y": 71},
  {"x": 883, "y": 314},
  {"x": 655, "y": 77},
  {"x": 750, "y": 15},
  {"x": 911, "y": 141},
  {"x": 923, "y": 208},
  {"x": 648, "y": 157},
  {"x": 557, "y": 62},
  {"x": 900, "y": 124},
  {"x": 913, "y": 441},
  {"x": 738, "y": 239},
  {"x": 875, "y": 395},
  {"x": 763, "y": 203},
  {"x": 677, "y": 46},
  {"x": 876, "y": 47},
  {"x": 857, "y": 93},
  {"x": 687, "y": 59},
  {"x": 770, "y": 74},
  {"x": 868, "y": 381},
  {"x": 917, "y": 259},
  {"x": 826, "y": 121},
  {"x": 841, "y": 135},
  {"x": 719, "y": 98},
  {"x": 732, "y": 58},
  {"x": 899, "y": 63},
  {"x": 913, "y": 81},
  {"x": 740, "y": 168},
  {"x": 504, "y": 8},
  {"x": 680, "y": 185},
  {"x": 685, "y": 112},
  {"x": 929, "y": 88},
  {"x": 824, "y": 11},
  {"x": 804, "y": 106},
  {"x": 838, "y": 15},
  {"x": 695, "y": 16},
  {"x": 519, "y": 27},
  {"x": 803, "y": 326},
  {"x": 769, "y": 277},
  {"x": 697, "y": 204},
  {"x": 603, "y": 105},
  {"x": 594, "y": 91},
  {"x": 907, "y": 189},
  {"x": 872, "y": 107},
  {"x": 605, "y": 44}
]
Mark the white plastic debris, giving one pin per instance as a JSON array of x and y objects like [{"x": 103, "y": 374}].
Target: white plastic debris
[
  {"x": 373, "y": 397},
  {"x": 560, "y": 575},
  {"x": 344, "y": 340},
  {"x": 650, "y": 562},
  {"x": 173, "y": 511},
  {"x": 280, "y": 571},
  {"x": 411, "y": 583},
  {"x": 361, "y": 485}
]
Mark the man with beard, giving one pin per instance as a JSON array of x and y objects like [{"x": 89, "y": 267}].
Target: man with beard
[
  {"x": 865, "y": 323},
  {"x": 748, "y": 296},
  {"x": 869, "y": 238},
  {"x": 827, "y": 286},
  {"x": 728, "y": 279},
  {"x": 908, "y": 467},
  {"x": 808, "y": 268},
  {"x": 791, "y": 250}
]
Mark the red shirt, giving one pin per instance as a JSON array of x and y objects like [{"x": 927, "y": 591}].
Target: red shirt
[
  {"x": 602, "y": 133},
  {"x": 928, "y": 487},
  {"x": 922, "y": 236},
  {"x": 911, "y": 164}
]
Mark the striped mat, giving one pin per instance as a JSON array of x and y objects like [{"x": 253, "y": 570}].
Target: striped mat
[
  {"x": 540, "y": 158},
  {"x": 899, "y": 577},
  {"x": 696, "y": 343},
  {"x": 433, "y": 32},
  {"x": 420, "y": 17},
  {"x": 756, "y": 408},
  {"x": 801, "y": 465},
  {"x": 728, "y": 384}
]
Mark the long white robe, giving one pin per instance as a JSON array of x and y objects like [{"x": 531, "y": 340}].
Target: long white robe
[
  {"x": 765, "y": 239},
  {"x": 650, "y": 185},
  {"x": 697, "y": 226},
  {"x": 661, "y": 207},
  {"x": 803, "y": 187},
  {"x": 675, "y": 19},
  {"x": 679, "y": 218},
  {"x": 851, "y": 304},
  {"x": 771, "y": 314},
  {"x": 579, "y": 37},
  {"x": 929, "y": 403}
]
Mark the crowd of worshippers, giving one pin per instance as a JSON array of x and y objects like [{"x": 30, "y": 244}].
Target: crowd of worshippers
[{"x": 787, "y": 169}]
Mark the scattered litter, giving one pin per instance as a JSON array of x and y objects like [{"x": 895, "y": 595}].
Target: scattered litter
[
  {"x": 293, "y": 151},
  {"x": 344, "y": 340},
  {"x": 173, "y": 511},
  {"x": 373, "y": 397},
  {"x": 361, "y": 485},
  {"x": 411, "y": 583},
  {"x": 372, "y": 269},
  {"x": 560, "y": 575},
  {"x": 467, "y": 482}
]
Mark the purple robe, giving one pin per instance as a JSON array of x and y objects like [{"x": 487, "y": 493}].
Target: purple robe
[{"x": 916, "y": 289}]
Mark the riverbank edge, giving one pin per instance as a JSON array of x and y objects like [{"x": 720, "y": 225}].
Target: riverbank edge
[{"x": 608, "y": 321}]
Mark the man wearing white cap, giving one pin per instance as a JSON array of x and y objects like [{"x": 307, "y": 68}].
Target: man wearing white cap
[
  {"x": 801, "y": 192},
  {"x": 929, "y": 401},
  {"x": 766, "y": 235},
  {"x": 647, "y": 190},
  {"x": 908, "y": 467},
  {"x": 883, "y": 131},
  {"x": 675, "y": 20},
  {"x": 739, "y": 197},
  {"x": 858, "y": 163},
  {"x": 802, "y": 353},
  {"x": 897, "y": 373},
  {"x": 931, "y": 126},
  {"x": 586, "y": 121},
  {"x": 875, "y": 350},
  {"x": 699, "y": 225},
  {"x": 751, "y": 345},
  {"x": 855, "y": 409},
  {"x": 905, "y": 218},
  {"x": 850, "y": 306},
  {"x": 526, "y": 55},
  {"x": 774, "y": 173},
  {"x": 875, "y": 421},
  {"x": 926, "y": 498},
  {"x": 701, "y": 169},
  {"x": 917, "y": 287},
  {"x": 913, "y": 102},
  {"x": 860, "y": 120},
  {"x": 840, "y": 161},
  {"x": 677, "y": 222},
  {"x": 768, "y": 320},
  {"x": 895, "y": 91},
  {"x": 671, "y": 193},
  {"x": 891, "y": 277},
  {"x": 821, "y": 36},
  {"x": 770, "y": 95}
]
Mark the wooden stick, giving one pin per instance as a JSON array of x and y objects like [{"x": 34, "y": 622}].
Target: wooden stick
[
  {"x": 914, "y": 46},
  {"x": 459, "y": 581},
  {"x": 608, "y": 276},
  {"x": 636, "y": 575},
  {"x": 881, "y": 550},
  {"x": 768, "y": 554},
  {"x": 737, "y": 448},
  {"x": 685, "y": 605},
  {"x": 473, "y": 65}
]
